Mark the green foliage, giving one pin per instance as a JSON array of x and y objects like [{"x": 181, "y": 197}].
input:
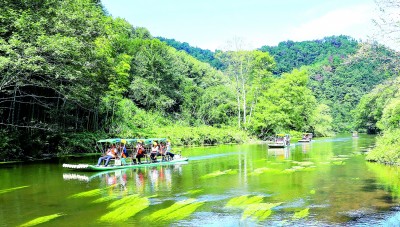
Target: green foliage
[
  {"x": 202, "y": 135},
  {"x": 68, "y": 70},
  {"x": 390, "y": 116},
  {"x": 290, "y": 55},
  {"x": 287, "y": 104},
  {"x": 41, "y": 220},
  {"x": 387, "y": 148},
  {"x": 321, "y": 121},
  {"x": 198, "y": 53},
  {"x": 341, "y": 84},
  {"x": 370, "y": 109}
]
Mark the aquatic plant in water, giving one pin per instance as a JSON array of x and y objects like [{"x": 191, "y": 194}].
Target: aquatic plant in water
[
  {"x": 177, "y": 211},
  {"x": 11, "y": 189},
  {"x": 90, "y": 193},
  {"x": 338, "y": 163},
  {"x": 126, "y": 208},
  {"x": 301, "y": 214},
  {"x": 303, "y": 163},
  {"x": 263, "y": 170},
  {"x": 259, "y": 211},
  {"x": 299, "y": 168},
  {"x": 244, "y": 200},
  {"x": 105, "y": 199},
  {"x": 194, "y": 191},
  {"x": 218, "y": 173},
  {"x": 41, "y": 220}
]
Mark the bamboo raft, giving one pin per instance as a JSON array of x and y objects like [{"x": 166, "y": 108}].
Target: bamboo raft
[{"x": 89, "y": 167}]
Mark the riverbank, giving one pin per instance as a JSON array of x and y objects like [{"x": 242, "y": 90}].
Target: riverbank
[
  {"x": 387, "y": 149},
  {"x": 65, "y": 144}
]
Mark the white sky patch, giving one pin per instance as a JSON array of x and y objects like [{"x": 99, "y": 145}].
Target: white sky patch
[{"x": 355, "y": 22}]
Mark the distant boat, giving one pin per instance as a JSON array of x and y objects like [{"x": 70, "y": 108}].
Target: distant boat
[
  {"x": 280, "y": 141},
  {"x": 355, "y": 134},
  {"x": 307, "y": 137}
]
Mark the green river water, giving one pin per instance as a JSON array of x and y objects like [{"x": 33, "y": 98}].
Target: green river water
[{"x": 323, "y": 183}]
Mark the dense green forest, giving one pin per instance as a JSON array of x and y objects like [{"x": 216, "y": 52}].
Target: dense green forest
[
  {"x": 341, "y": 70},
  {"x": 379, "y": 110},
  {"x": 71, "y": 74}
]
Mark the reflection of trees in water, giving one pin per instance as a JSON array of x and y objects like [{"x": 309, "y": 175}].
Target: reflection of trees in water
[
  {"x": 128, "y": 181},
  {"x": 140, "y": 181}
]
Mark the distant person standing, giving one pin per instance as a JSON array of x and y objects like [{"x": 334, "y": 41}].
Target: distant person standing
[
  {"x": 169, "y": 148},
  {"x": 154, "y": 152},
  {"x": 124, "y": 153}
]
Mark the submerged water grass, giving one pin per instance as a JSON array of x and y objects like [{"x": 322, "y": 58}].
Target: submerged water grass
[
  {"x": 105, "y": 199},
  {"x": 11, "y": 189},
  {"x": 262, "y": 170},
  {"x": 41, "y": 220},
  {"x": 218, "y": 173},
  {"x": 177, "y": 211},
  {"x": 125, "y": 208},
  {"x": 259, "y": 211},
  {"x": 90, "y": 193},
  {"x": 301, "y": 214},
  {"x": 244, "y": 200},
  {"x": 194, "y": 191}
]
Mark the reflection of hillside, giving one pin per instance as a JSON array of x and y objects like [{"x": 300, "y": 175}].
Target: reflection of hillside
[
  {"x": 387, "y": 176},
  {"x": 320, "y": 152}
]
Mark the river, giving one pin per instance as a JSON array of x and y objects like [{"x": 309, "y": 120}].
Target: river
[{"x": 323, "y": 183}]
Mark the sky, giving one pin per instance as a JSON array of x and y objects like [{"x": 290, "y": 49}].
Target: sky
[{"x": 211, "y": 24}]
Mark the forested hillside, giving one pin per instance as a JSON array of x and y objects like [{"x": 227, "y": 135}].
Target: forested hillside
[
  {"x": 341, "y": 71},
  {"x": 207, "y": 56},
  {"x": 290, "y": 55}
]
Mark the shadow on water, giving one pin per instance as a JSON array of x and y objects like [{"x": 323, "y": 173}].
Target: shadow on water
[{"x": 369, "y": 185}]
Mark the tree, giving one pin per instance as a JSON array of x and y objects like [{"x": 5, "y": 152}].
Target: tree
[
  {"x": 286, "y": 105},
  {"x": 249, "y": 70}
]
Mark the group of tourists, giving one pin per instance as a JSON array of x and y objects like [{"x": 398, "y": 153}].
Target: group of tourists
[
  {"x": 157, "y": 149},
  {"x": 162, "y": 149}
]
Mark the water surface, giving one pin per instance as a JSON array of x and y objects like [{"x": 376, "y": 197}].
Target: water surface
[{"x": 326, "y": 182}]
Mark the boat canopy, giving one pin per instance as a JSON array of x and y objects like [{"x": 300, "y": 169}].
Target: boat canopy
[
  {"x": 132, "y": 141},
  {"x": 282, "y": 135},
  {"x": 114, "y": 140},
  {"x": 146, "y": 141}
]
